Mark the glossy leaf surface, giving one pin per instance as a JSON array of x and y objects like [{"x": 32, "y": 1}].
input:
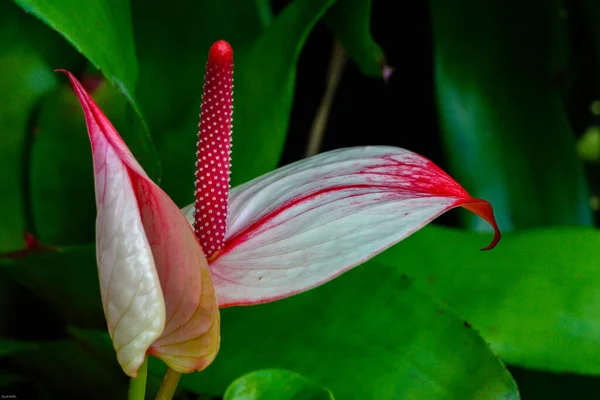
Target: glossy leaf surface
[
  {"x": 414, "y": 346},
  {"x": 275, "y": 384},
  {"x": 536, "y": 284}
]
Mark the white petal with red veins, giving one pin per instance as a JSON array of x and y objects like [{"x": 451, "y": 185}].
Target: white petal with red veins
[
  {"x": 130, "y": 288},
  {"x": 302, "y": 225},
  {"x": 129, "y": 284},
  {"x": 154, "y": 279}
]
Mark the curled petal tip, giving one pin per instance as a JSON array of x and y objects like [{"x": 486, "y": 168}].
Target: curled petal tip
[
  {"x": 220, "y": 52},
  {"x": 484, "y": 209}
]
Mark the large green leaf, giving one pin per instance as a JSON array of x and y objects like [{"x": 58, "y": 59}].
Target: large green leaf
[
  {"x": 172, "y": 53},
  {"x": 506, "y": 131},
  {"x": 26, "y": 77},
  {"x": 350, "y": 22},
  {"x": 102, "y": 31},
  {"x": 275, "y": 384},
  {"x": 536, "y": 284},
  {"x": 369, "y": 334},
  {"x": 395, "y": 340}
]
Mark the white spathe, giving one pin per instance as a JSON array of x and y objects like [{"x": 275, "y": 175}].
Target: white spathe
[{"x": 304, "y": 224}]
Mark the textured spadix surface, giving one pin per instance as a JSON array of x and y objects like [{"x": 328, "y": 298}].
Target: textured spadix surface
[
  {"x": 214, "y": 149},
  {"x": 156, "y": 288},
  {"x": 302, "y": 225}
]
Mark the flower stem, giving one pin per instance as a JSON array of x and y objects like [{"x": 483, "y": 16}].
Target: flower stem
[
  {"x": 137, "y": 386},
  {"x": 168, "y": 385},
  {"x": 334, "y": 76}
]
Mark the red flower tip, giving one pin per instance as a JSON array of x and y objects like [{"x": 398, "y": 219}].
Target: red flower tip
[
  {"x": 220, "y": 52},
  {"x": 214, "y": 149},
  {"x": 485, "y": 211}
]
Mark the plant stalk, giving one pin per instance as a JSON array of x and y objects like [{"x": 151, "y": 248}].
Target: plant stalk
[
  {"x": 334, "y": 76},
  {"x": 137, "y": 386},
  {"x": 168, "y": 385}
]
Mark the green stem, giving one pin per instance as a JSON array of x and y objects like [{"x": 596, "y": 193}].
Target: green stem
[
  {"x": 334, "y": 76},
  {"x": 168, "y": 385},
  {"x": 137, "y": 386}
]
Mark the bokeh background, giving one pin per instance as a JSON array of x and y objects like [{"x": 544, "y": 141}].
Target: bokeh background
[{"x": 504, "y": 95}]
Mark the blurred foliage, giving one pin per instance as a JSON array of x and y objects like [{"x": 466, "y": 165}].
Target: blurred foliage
[
  {"x": 430, "y": 318},
  {"x": 350, "y": 21},
  {"x": 102, "y": 31},
  {"x": 499, "y": 71}
]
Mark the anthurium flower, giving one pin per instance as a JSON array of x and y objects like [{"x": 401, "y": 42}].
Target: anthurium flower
[{"x": 277, "y": 235}]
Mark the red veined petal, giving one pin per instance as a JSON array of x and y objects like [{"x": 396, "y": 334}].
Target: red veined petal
[
  {"x": 302, "y": 225},
  {"x": 155, "y": 284}
]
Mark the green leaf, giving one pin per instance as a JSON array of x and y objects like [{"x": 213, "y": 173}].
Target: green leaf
[
  {"x": 536, "y": 284},
  {"x": 102, "y": 31},
  {"x": 350, "y": 21},
  {"x": 275, "y": 384},
  {"x": 26, "y": 77},
  {"x": 369, "y": 334},
  {"x": 505, "y": 127},
  {"x": 172, "y": 46},
  {"x": 172, "y": 61}
]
